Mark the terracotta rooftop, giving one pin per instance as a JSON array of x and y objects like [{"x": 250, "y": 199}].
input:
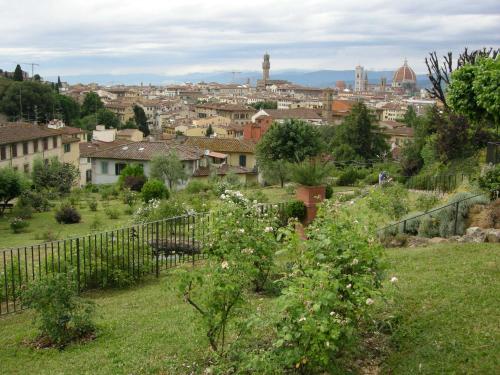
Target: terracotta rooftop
[
  {"x": 294, "y": 113},
  {"x": 223, "y": 145},
  {"x": 18, "y": 132},
  {"x": 88, "y": 148},
  {"x": 147, "y": 150}
]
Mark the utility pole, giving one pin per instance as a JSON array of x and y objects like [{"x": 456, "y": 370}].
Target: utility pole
[
  {"x": 32, "y": 68},
  {"x": 20, "y": 106}
]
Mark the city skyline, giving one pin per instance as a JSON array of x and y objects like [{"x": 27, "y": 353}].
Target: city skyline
[{"x": 168, "y": 39}]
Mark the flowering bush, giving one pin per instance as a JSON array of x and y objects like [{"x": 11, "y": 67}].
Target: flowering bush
[
  {"x": 157, "y": 210},
  {"x": 327, "y": 293},
  {"x": 243, "y": 233},
  {"x": 241, "y": 254},
  {"x": 18, "y": 224},
  {"x": 389, "y": 198}
]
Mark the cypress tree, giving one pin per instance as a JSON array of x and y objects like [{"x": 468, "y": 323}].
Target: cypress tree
[{"x": 18, "y": 73}]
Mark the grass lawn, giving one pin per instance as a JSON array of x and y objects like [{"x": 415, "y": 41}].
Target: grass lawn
[
  {"x": 43, "y": 222},
  {"x": 447, "y": 301}
]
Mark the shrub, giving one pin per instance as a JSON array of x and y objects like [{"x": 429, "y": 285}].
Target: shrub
[
  {"x": 490, "y": 180},
  {"x": 112, "y": 213},
  {"x": 67, "y": 214},
  {"x": 195, "y": 187},
  {"x": 18, "y": 225},
  {"x": 296, "y": 209},
  {"x": 426, "y": 201},
  {"x": 310, "y": 173},
  {"x": 429, "y": 226},
  {"x": 108, "y": 191},
  {"x": 129, "y": 197},
  {"x": 328, "y": 292},
  {"x": 47, "y": 236},
  {"x": 134, "y": 183},
  {"x": 412, "y": 223},
  {"x": 60, "y": 314},
  {"x": 391, "y": 199},
  {"x": 350, "y": 176},
  {"x": 91, "y": 188},
  {"x": 290, "y": 189},
  {"x": 154, "y": 189},
  {"x": 96, "y": 224},
  {"x": 92, "y": 205},
  {"x": 36, "y": 199},
  {"x": 328, "y": 191},
  {"x": 22, "y": 210}
]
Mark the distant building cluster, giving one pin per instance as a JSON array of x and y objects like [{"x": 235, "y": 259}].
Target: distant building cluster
[{"x": 213, "y": 127}]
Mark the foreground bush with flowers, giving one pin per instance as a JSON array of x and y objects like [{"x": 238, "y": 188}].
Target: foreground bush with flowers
[
  {"x": 241, "y": 259},
  {"x": 326, "y": 286}
]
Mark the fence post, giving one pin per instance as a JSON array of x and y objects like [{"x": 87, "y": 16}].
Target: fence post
[
  {"x": 193, "y": 246},
  {"x": 157, "y": 253},
  {"x": 456, "y": 217},
  {"x": 78, "y": 264}
]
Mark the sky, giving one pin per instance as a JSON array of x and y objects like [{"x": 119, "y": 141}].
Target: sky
[{"x": 71, "y": 37}]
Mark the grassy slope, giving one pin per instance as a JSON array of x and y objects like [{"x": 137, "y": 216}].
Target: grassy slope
[
  {"x": 45, "y": 221},
  {"x": 144, "y": 330},
  {"x": 447, "y": 299}
]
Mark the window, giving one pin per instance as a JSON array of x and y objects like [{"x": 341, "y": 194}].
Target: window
[
  {"x": 88, "y": 175},
  {"x": 104, "y": 167},
  {"x": 45, "y": 143},
  {"x": 14, "y": 150},
  {"x": 26, "y": 168},
  {"x": 89, "y": 160},
  {"x": 3, "y": 152},
  {"x": 243, "y": 160},
  {"x": 25, "y": 148},
  {"x": 54, "y": 141},
  {"x": 67, "y": 147},
  {"x": 119, "y": 168},
  {"x": 35, "y": 145}
]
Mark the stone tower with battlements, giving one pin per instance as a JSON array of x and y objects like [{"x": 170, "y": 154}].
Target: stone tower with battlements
[{"x": 266, "y": 66}]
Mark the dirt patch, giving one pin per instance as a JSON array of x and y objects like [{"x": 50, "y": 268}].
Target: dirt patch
[
  {"x": 44, "y": 342},
  {"x": 485, "y": 216}
]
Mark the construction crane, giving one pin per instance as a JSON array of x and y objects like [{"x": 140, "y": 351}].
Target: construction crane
[
  {"x": 32, "y": 68},
  {"x": 234, "y": 76}
]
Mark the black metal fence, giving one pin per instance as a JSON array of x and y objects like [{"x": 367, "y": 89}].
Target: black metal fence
[
  {"x": 440, "y": 183},
  {"x": 112, "y": 258},
  {"x": 455, "y": 209}
]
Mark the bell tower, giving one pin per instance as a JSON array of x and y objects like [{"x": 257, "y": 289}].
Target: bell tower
[
  {"x": 266, "y": 66},
  {"x": 327, "y": 112}
]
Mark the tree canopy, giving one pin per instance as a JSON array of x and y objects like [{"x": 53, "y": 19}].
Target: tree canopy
[
  {"x": 12, "y": 184},
  {"x": 141, "y": 120},
  {"x": 18, "y": 74},
  {"x": 361, "y": 133},
  {"x": 168, "y": 168},
  {"x": 91, "y": 104},
  {"x": 54, "y": 175}
]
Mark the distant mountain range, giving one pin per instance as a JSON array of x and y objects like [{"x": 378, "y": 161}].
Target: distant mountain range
[{"x": 320, "y": 78}]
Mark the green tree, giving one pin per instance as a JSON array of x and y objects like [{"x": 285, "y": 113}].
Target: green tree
[
  {"x": 12, "y": 185},
  {"x": 91, "y": 104},
  {"x": 108, "y": 119},
  {"x": 293, "y": 140},
  {"x": 18, "y": 74},
  {"x": 69, "y": 108},
  {"x": 265, "y": 105},
  {"x": 474, "y": 91},
  {"x": 54, "y": 175},
  {"x": 168, "y": 168},
  {"x": 59, "y": 84},
  {"x": 37, "y": 78},
  {"x": 28, "y": 100},
  {"x": 130, "y": 124},
  {"x": 209, "y": 131},
  {"x": 410, "y": 118},
  {"x": 132, "y": 177},
  {"x": 360, "y": 131},
  {"x": 141, "y": 120},
  {"x": 275, "y": 171}
]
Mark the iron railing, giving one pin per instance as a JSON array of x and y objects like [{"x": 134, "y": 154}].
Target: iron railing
[
  {"x": 402, "y": 226},
  {"x": 112, "y": 258},
  {"x": 440, "y": 183}
]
